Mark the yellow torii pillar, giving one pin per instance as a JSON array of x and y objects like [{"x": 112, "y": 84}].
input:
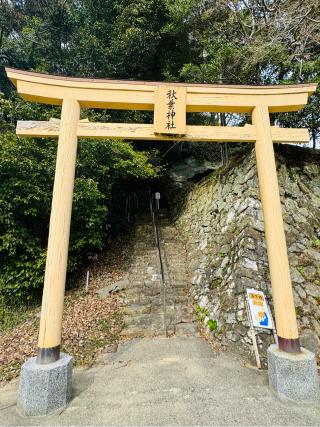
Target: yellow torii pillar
[
  {"x": 59, "y": 230},
  {"x": 287, "y": 329},
  {"x": 170, "y": 103}
]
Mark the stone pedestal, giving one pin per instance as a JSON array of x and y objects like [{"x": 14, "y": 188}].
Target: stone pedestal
[
  {"x": 293, "y": 376},
  {"x": 45, "y": 389}
]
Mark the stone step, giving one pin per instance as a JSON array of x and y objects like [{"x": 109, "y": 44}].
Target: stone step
[
  {"x": 173, "y": 248},
  {"x": 136, "y": 309},
  {"x": 177, "y": 282},
  {"x": 179, "y": 291},
  {"x": 171, "y": 284},
  {"x": 174, "y": 263},
  {"x": 133, "y": 331},
  {"x": 186, "y": 330},
  {"x": 145, "y": 319},
  {"x": 142, "y": 314},
  {"x": 175, "y": 257},
  {"x": 147, "y": 269},
  {"x": 148, "y": 272},
  {"x": 154, "y": 301},
  {"x": 144, "y": 275},
  {"x": 151, "y": 255},
  {"x": 178, "y": 314},
  {"x": 146, "y": 257},
  {"x": 152, "y": 283},
  {"x": 143, "y": 291},
  {"x": 174, "y": 269},
  {"x": 135, "y": 284},
  {"x": 146, "y": 324},
  {"x": 144, "y": 241},
  {"x": 183, "y": 284},
  {"x": 177, "y": 277},
  {"x": 174, "y": 266},
  {"x": 176, "y": 300}
]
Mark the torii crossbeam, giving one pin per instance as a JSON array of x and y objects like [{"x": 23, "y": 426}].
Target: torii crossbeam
[{"x": 170, "y": 102}]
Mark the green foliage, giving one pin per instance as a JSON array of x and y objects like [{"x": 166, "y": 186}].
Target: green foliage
[
  {"x": 212, "y": 324},
  {"x": 14, "y": 108},
  {"x": 315, "y": 242},
  {"x": 26, "y": 180},
  {"x": 300, "y": 269},
  {"x": 11, "y": 316},
  {"x": 201, "y": 312}
]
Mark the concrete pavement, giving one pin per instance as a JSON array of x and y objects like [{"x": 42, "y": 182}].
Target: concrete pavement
[{"x": 167, "y": 381}]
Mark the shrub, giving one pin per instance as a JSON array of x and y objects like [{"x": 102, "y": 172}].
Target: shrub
[{"x": 26, "y": 180}]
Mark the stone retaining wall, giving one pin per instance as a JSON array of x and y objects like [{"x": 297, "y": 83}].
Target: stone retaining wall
[{"x": 222, "y": 222}]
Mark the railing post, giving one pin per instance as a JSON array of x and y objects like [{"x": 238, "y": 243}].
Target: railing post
[
  {"x": 274, "y": 231},
  {"x": 58, "y": 242}
]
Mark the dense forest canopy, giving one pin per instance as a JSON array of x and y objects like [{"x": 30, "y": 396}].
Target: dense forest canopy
[{"x": 229, "y": 41}]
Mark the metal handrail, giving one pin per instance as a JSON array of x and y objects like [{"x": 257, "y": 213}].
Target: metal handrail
[
  {"x": 156, "y": 229},
  {"x": 157, "y": 237}
]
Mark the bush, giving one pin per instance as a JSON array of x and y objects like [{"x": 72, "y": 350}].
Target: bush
[{"x": 26, "y": 180}]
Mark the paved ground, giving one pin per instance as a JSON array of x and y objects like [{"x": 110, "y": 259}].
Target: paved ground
[{"x": 161, "y": 381}]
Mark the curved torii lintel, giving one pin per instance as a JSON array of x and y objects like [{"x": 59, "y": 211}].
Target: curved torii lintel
[{"x": 140, "y": 95}]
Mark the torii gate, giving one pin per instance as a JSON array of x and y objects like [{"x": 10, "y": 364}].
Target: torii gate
[{"x": 170, "y": 102}]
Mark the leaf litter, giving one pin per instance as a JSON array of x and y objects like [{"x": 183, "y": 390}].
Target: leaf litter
[{"x": 90, "y": 323}]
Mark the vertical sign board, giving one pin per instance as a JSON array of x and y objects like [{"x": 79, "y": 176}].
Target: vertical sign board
[
  {"x": 259, "y": 309},
  {"x": 170, "y": 110}
]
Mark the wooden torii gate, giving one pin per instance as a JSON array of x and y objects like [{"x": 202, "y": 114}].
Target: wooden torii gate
[{"x": 170, "y": 102}]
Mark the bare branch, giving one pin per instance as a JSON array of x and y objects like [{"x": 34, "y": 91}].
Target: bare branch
[
  {"x": 312, "y": 20},
  {"x": 267, "y": 7}
]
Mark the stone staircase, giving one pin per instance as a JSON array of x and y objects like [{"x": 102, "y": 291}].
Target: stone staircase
[{"x": 152, "y": 309}]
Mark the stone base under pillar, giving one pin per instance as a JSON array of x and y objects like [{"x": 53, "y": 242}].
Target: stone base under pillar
[
  {"x": 45, "y": 389},
  {"x": 293, "y": 376}
]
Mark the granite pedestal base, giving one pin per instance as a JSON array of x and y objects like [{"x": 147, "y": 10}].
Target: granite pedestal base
[
  {"x": 45, "y": 389},
  {"x": 293, "y": 376}
]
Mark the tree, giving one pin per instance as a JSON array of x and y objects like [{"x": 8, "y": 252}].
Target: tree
[{"x": 26, "y": 180}]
